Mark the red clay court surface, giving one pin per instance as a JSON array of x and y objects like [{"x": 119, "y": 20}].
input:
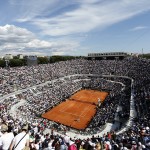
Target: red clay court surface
[{"x": 78, "y": 110}]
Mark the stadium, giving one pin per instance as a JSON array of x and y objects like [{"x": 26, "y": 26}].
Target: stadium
[
  {"x": 74, "y": 75},
  {"x": 93, "y": 103}
]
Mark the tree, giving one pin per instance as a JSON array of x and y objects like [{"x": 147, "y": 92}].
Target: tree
[
  {"x": 147, "y": 56},
  {"x": 58, "y": 58},
  {"x": 16, "y": 62},
  {"x": 43, "y": 60},
  {"x": 2, "y": 63},
  {"x": 15, "y": 57}
]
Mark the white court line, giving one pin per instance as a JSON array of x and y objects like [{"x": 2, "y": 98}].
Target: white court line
[
  {"x": 79, "y": 116},
  {"x": 84, "y": 112},
  {"x": 69, "y": 113},
  {"x": 64, "y": 111}
]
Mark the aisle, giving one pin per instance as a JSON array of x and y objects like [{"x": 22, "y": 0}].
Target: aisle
[
  {"x": 13, "y": 110},
  {"x": 109, "y": 127}
]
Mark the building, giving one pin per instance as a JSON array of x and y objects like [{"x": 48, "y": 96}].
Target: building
[
  {"x": 1, "y": 57},
  {"x": 109, "y": 55},
  {"x": 20, "y": 56},
  {"x": 31, "y": 60},
  {"x": 8, "y": 56}
]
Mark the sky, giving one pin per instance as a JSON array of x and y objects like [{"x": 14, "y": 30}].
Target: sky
[{"x": 74, "y": 27}]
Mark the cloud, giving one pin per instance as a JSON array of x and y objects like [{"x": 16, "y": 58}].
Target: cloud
[
  {"x": 57, "y": 53},
  {"x": 86, "y": 15},
  {"x": 63, "y": 26},
  {"x": 13, "y": 34},
  {"x": 36, "y": 9},
  {"x": 16, "y": 40},
  {"x": 139, "y": 28}
]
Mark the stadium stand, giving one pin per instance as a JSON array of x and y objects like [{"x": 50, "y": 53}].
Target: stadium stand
[{"x": 27, "y": 92}]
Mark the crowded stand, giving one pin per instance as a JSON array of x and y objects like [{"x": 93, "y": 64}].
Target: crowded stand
[{"x": 39, "y": 88}]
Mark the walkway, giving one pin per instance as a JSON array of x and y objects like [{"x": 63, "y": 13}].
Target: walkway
[
  {"x": 108, "y": 128},
  {"x": 14, "y": 108}
]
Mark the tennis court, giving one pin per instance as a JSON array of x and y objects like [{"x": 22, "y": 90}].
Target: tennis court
[{"x": 78, "y": 110}]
